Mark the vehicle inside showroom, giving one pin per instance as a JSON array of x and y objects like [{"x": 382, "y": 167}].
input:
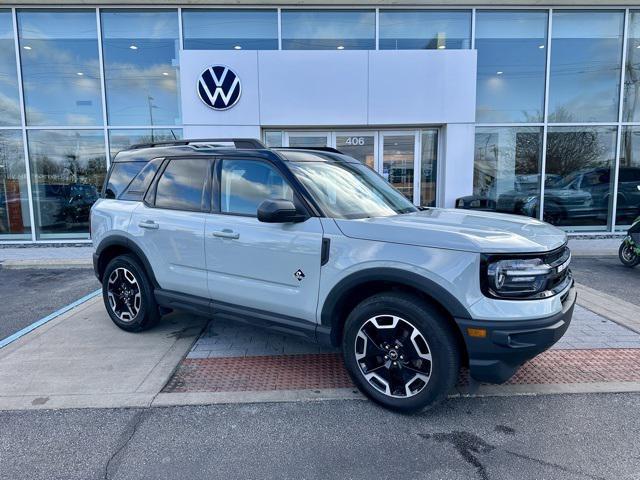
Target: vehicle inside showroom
[{"x": 530, "y": 110}]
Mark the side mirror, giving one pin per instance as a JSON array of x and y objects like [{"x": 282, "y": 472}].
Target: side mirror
[{"x": 279, "y": 211}]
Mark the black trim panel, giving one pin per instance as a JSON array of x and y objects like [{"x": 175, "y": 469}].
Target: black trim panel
[
  {"x": 324, "y": 252},
  {"x": 510, "y": 343},
  {"x": 392, "y": 275},
  {"x": 238, "y": 313},
  {"x": 122, "y": 241}
]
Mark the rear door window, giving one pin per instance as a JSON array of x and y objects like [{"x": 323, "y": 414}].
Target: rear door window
[{"x": 183, "y": 185}]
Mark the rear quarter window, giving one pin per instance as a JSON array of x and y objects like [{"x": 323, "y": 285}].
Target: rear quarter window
[
  {"x": 139, "y": 185},
  {"x": 120, "y": 177}
]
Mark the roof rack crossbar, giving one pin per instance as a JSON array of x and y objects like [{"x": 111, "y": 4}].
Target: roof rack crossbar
[{"x": 244, "y": 143}]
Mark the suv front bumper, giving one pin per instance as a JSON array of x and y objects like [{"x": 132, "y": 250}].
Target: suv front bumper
[{"x": 508, "y": 344}]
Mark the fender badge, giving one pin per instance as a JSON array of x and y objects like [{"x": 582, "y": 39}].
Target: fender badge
[{"x": 299, "y": 274}]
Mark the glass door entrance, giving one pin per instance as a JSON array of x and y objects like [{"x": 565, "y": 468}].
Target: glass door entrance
[
  {"x": 398, "y": 161},
  {"x": 405, "y": 158},
  {"x": 361, "y": 146}
]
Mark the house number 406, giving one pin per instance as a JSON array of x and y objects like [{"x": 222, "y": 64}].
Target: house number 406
[{"x": 354, "y": 141}]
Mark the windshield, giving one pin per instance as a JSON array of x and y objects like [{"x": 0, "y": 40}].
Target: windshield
[{"x": 350, "y": 190}]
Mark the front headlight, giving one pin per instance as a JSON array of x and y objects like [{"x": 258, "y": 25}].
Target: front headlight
[
  {"x": 527, "y": 277},
  {"x": 517, "y": 277}
]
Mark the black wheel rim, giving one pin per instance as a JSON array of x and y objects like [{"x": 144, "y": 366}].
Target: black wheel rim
[
  {"x": 124, "y": 295},
  {"x": 628, "y": 254},
  {"x": 393, "y": 356}
]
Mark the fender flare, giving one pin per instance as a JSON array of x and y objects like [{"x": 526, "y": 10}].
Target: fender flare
[
  {"x": 123, "y": 241},
  {"x": 392, "y": 275}
]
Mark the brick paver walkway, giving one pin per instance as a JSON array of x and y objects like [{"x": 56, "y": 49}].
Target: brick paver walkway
[
  {"x": 231, "y": 357},
  {"x": 319, "y": 371}
]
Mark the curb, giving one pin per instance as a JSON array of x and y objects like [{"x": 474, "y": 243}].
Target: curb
[
  {"x": 613, "y": 308},
  {"x": 58, "y": 263}
]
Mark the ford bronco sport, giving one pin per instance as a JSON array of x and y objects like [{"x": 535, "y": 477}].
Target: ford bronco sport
[{"x": 312, "y": 242}]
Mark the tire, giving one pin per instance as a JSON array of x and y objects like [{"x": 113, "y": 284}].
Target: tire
[
  {"x": 627, "y": 255},
  {"x": 141, "y": 312},
  {"x": 364, "y": 347}
]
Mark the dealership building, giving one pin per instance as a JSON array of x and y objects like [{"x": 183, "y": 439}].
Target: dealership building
[{"x": 517, "y": 108}]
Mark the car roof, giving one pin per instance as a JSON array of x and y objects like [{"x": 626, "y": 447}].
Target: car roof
[{"x": 229, "y": 148}]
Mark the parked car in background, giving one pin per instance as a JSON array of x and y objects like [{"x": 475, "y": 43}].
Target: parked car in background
[
  {"x": 579, "y": 196},
  {"x": 60, "y": 206}
]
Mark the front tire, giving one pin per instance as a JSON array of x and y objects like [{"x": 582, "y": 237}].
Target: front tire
[
  {"x": 128, "y": 295},
  {"x": 627, "y": 255},
  {"x": 400, "y": 352}
]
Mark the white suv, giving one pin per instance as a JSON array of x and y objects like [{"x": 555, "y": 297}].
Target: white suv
[{"x": 312, "y": 242}]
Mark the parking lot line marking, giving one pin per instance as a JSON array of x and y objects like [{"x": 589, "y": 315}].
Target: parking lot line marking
[{"x": 48, "y": 318}]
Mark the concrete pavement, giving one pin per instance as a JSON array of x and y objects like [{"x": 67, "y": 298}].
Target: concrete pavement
[{"x": 81, "y": 359}]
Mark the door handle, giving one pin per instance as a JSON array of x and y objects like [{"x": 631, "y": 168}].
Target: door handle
[
  {"x": 150, "y": 224},
  {"x": 226, "y": 233}
]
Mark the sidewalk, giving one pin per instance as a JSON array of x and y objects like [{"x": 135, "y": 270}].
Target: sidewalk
[
  {"x": 46, "y": 257},
  {"x": 81, "y": 359}
]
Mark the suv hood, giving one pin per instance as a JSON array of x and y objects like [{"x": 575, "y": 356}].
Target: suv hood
[{"x": 467, "y": 230}]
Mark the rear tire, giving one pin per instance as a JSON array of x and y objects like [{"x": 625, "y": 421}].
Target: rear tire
[
  {"x": 401, "y": 352},
  {"x": 628, "y": 256},
  {"x": 128, "y": 295}
]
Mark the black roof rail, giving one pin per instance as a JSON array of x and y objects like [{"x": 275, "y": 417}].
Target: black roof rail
[
  {"x": 246, "y": 143},
  {"x": 320, "y": 149}
]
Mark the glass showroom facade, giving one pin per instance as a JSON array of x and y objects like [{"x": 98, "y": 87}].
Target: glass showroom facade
[{"x": 557, "y": 111}]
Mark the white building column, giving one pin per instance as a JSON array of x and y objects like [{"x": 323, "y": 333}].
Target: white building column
[{"x": 456, "y": 162}]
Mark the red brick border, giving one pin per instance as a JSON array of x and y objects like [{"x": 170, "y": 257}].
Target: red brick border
[{"x": 319, "y": 371}]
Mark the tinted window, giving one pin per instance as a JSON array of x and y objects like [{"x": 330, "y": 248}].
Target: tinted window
[
  {"x": 14, "y": 199},
  {"x": 68, "y": 168},
  {"x": 628, "y": 205},
  {"x": 511, "y": 65},
  {"x": 246, "y": 183},
  {"x": 140, "y": 49},
  {"x": 631, "y": 111},
  {"x": 506, "y": 174},
  {"x": 10, "y": 111},
  {"x": 121, "y": 175},
  {"x": 60, "y": 67},
  {"x": 223, "y": 29},
  {"x": 580, "y": 159},
  {"x": 424, "y": 29},
  {"x": 586, "y": 51},
  {"x": 139, "y": 185},
  {"x": 182, "y": 185},
  {"x": 328, "y": 29}
]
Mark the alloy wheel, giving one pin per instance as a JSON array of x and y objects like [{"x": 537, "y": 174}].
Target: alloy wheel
[
  {"x": 124, "y": 295},
  {"x": 393, "y": 356}
]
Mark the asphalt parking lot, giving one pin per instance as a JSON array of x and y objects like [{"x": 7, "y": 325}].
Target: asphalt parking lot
[
  {"x": 27, "y": 295},
  {"x": 553, "y": 437},
  {"x": 608, "y": 275}
]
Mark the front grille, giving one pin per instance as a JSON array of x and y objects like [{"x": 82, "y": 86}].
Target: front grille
[{"x": 559, "y": 260}]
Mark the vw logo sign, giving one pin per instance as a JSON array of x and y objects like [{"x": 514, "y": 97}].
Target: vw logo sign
[{"x": 219, "y": 87}]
